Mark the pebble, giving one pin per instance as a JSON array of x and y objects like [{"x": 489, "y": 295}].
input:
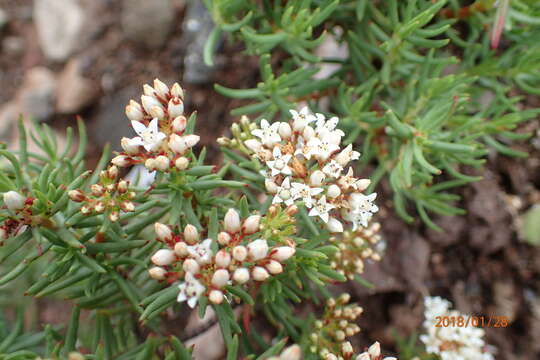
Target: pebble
[
  {"x": 74, "y": 92},
  {"x": 36, "y": 96},
  {"x": 147, "y": 22}
]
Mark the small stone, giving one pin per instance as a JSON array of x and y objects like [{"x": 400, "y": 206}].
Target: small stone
[
  {"x": 75, "y": 92},
  {"x": 36, "y": 97},
  {"x": 147, "y": 22},
  {"x": 3, "y": 18},
  {"x": 8, "y": 116},
  {"x": 60, "y": 26}
]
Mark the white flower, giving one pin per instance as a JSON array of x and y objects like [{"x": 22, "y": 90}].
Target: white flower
[
  {"x": 321, "y": 209},
  {"x": 131, "y": 146},
  {"x": 280, "y": 163},
  {"x": 191, "y": 289},
  {"x": 267, "y": 133},
  {"x": 358, "y": 218},
  {"x": 284, "y": 193},
  {"x": 305, "y": 192},
  {"x": 359, "y": 201},
  {"x": 325, "y": 127},
  {"x": 322, "y": 149},
  {"x": 302, "y": 118},
  {"x": 201, "y": 252},
  {"x": 150, "y": 136},
  {"x": 303, "y": 149},
  {"x": 140, "y": 176},
  {"x": 346, "y": 155},
  {"x": 333, "y": 169}
]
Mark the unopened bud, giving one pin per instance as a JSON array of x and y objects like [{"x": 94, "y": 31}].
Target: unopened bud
[
  {"x": 259, "y": 273},
  {"x": 160, "y": 88},
  {"x": 251, "y": 224},
  {"x": 285, "y": 130},
  {"x": 181, "y": 249},
  {"x": 291, "y": 210},
  {"x": 347, "y": 348},
  {"x": 191, "y": 266},
  {"x": 134, "y": 111},
  {"x": 215, "y": 297},
  {"x": 148, "y": 90},
  {"x": 114, "y": 216},
  {"x": 241, "y": 275},
  {"x": 162, "y": 163},
  {"x": 308, "y": 133},
  {"x": 316, "y": 178},
  {"x": 127, "y": 206},
  {"x": 220, "y": 278},
  {"x": 375, "y": 349},
  {"x": 76, "y": 195},
  {"x": 112, "y": 172},
  {"x": 179, "y": 124},
  {"x": 150, "y": 164},
  {"x": 175, "y": 109},
  {"x": 163, "y": 257},
  {"x": 99, "y": 206},
  {"x": 123, "y": 186},
  {"x": 191, "y": 140},
  {"x": 293, "y": 352},
  {"x": 178, "y": 144},
  {"x": 333, "y": 191},
  {"x": 181, "y": 163},
  {"x": 97, "y": 190},
  {"x": 163, "y": 232},
  {"x": 274, "y": 267},
  {"x": 191, "y": 234},
  {"x": 239, "y": 253},
  {"x": 282, "y": 253},
  {"x": 363, "y": 184},
  {"x": 177, "y": 91},
  {"x": 232, "y": 221},
  {"x": 334, "y": 225},
  {"x": 223, "y": 259},
  {"x": 271, "y": 186},
  {"x": 157, "y": 273},
  {"x": 148, "y": 102},
  {"x": 253, "y": 145},
  {"x": 223, "y": 238},
  {"x": 121, "y": 160},
  {"x": 258, "y": 249}
]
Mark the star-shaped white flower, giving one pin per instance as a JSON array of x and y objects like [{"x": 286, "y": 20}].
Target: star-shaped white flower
[
  {"x": 322, "y": 148},
  {"x": 284, "y": 193},
  {"x": 333, "y": 168},
  {"x": 201, "y": 252},
  {"x": 305, "y": 192},
  {"x": 301, "y": 118},
  {"x": 191, "y": 289},
  {"x": 348, "y": 180},
  {"x": 150, "y": 137},
  {"x": 325, "y": 127},
  {"x": 358, "y": 218},
  {"x": 361, "y": 202},
  {"x": 267, "y": 133},
  {"x": 321, "y": 209},
  {"x": 303, "y": 149},
  {"x": 280, "y": 163}
]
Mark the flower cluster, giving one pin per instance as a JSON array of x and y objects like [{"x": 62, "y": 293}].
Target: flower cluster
[
  {"x": 237, "y": 256},
  {"x": 374, "y": 353},
  {"x": 109, "y": 195},
  {"x": 18, "y": 216},
  {"x": 354, "y": 248},
  {"x": 337, "y": 323},
  {"x": 292, "y": 352},
  {"x": 451, "y": 343},
  {"x": 160, "y": 125},
  {"x": 304, "y": 161}
]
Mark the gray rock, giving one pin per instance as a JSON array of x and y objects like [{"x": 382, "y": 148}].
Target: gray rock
[
  {"x": 36, "y": 97},
  {"x": 197, "y": 26},
  {"x": 75, "y": 91},
  {"x": 111, "y": 123},
  {"x": 60, "y": 25},
  {"x": 147, "y": 22},
  {"x": 8, "y": 116}
]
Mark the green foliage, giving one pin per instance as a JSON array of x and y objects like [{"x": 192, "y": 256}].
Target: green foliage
[{"x": 419, "y": 88}]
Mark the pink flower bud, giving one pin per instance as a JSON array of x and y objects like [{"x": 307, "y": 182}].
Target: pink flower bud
[
  {"x": 223, "y": 238},
  {"x": 178, "y": 144},
  {"x": 258, "y": 249},
  {"x": 157, "y": 112},
  {"x": 232, "y": 221},
  {"x": 220, "y": 278},
  {"x": 177, "y": 91},
  {"x": 215, "y": 297},
  {"x": 134, "y": 111},
  {"x": 162, "y": 163},
  {"x": 241, "y": 275},
  {"x": 259, "y": 273},
  {"x": 191, "y": 234},
  {"x": 181, "y": 163},
  {"x": 175, "y": 108},
  {"x": 239, "y": 253},
  {"x": 163, "y": 232},
  {"x": 121, "y": 160},
  {"x": 191, "y": 266},
  {"x": 282, "y": 253},
  {"x": 179, "y": 124},
  {"x": 148, "y": 102},
  {"x": 161, "y": 89},
  {"x": 97, "y": 190},
  {"x": 274, "y": 267},
  {"x": 76, "y": 195},
  {"x": 223, "y": 259},
  {"x": 163, "y": 257},
  {"x": 251, "y": 224},
  {"x": 181, "y": 249},
  {"x": 157, "y": 273}
]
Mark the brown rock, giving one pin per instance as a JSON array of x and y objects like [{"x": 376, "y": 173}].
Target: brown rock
[{"x": 74, "y": 91}]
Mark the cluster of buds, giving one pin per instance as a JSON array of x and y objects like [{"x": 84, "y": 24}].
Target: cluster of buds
[
  {"x": 160, "y": 124},
  {"x": 337, "y": 324},
  {"x": 374, "y": 353},
  {"x": 18, "y": 215},
  {"x": 355, "y": 247},
  {"x": 304, "y": 161},
  {"x": 293, "y": 352},
  {"x": 451, "y": 342},
  {"x": 238, "y": 256},
  {"x": 109, "y": 195}
]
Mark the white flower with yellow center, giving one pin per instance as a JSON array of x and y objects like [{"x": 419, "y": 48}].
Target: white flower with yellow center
[
  {"x": 191, "y": 289},
  {"x": 267, "y": 133},
  {"x": 284, "y": 193},
  {"x": 301, "y": 118},
  {"x": 280, "y": 163},
  {"x": 322, "y": 149},
  {"x": 324, "y": 127},
  {"x": 321, "y": 209},
  {"x": 333, "y": 169},
  {"x": 305, "y": 192},
  {"x": 150, "y": 137}
]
